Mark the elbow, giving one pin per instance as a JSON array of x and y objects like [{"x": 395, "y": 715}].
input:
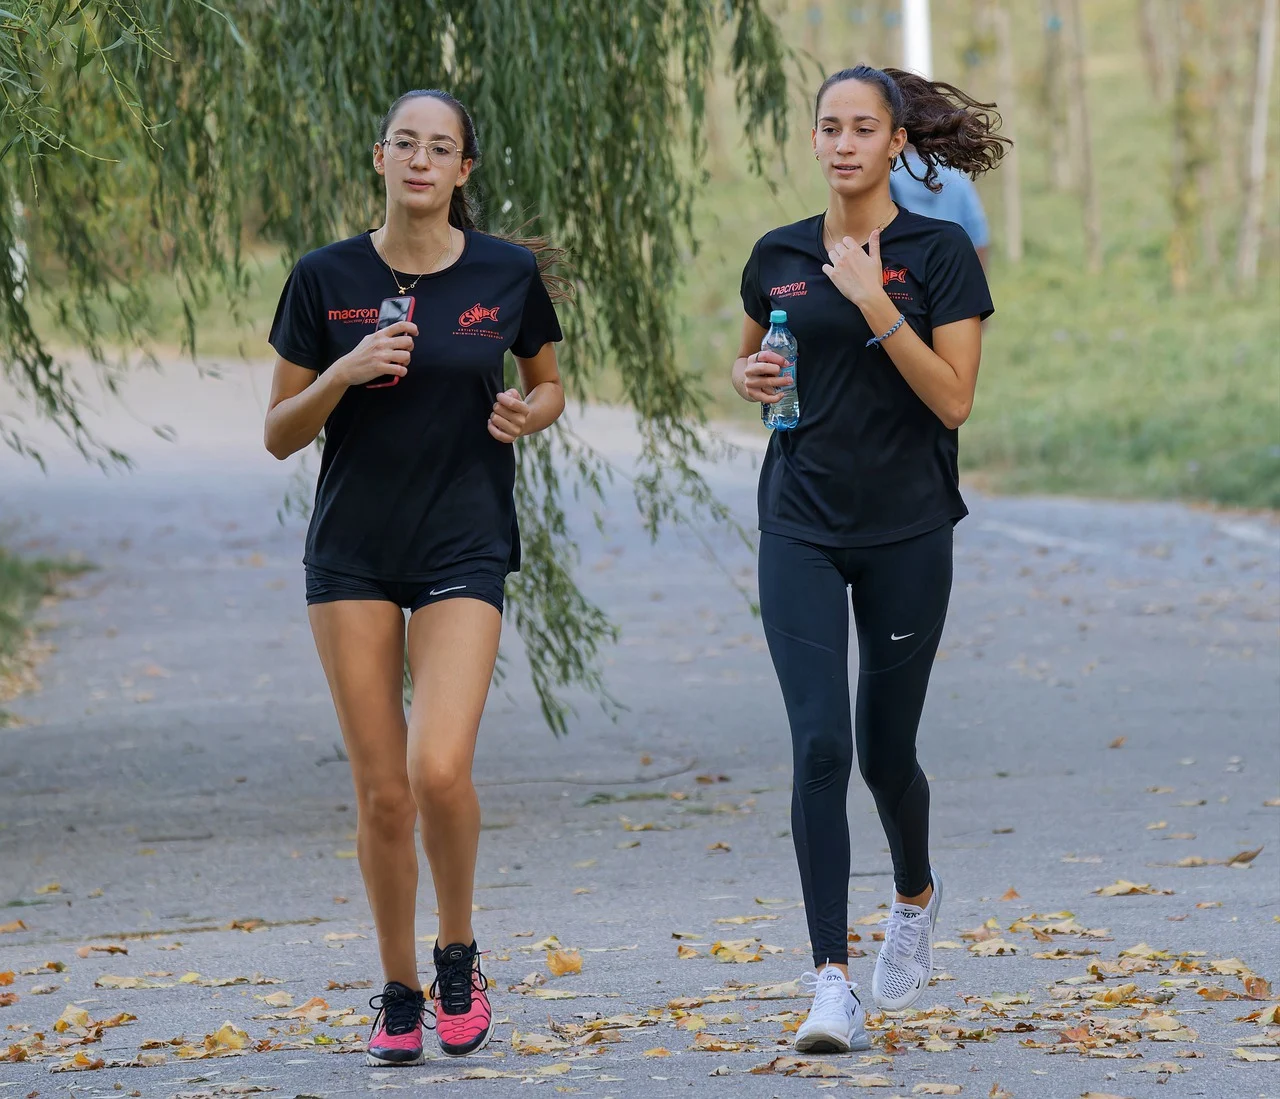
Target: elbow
[
  {"x": 955, "y": 414},
  {"x": 275, "y": 447}
]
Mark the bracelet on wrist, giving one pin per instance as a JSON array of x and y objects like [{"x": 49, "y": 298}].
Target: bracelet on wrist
[{"x": 880, "y": 339}]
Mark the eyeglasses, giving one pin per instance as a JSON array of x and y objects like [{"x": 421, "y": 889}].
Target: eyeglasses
[{"x": 441, "y": 153}]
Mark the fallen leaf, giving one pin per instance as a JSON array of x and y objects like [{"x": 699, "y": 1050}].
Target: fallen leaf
[
  {"x": 936, "y": 1089},
  {"x": 997, "y": 1092},
  {"x": 277, "y": 999},
  {"x": 1208, "y": 904},
  {"x": 52, "y": 887},
  {"x": 657, "y": 1051},
  {"x": 8, "y": 999},
  {"x": 1122, "y": 888},
  {"x": 1011, "y": 894},
  {"x": 1117, "y": 743},
  {"x": 1255, "y": 1055},
  {"x": 335, "y": 986},
  {"x": 1166, "y": 1068},
  {"x": 12, "y": 926},
  {"x": 1159, "y": 789},
  {"x": 683, "y": 951},
  {"x": 109, "y": 948},
  {"x": 1256, "y": 988},
  {"x": 1244, "y": 857},
  {"x": 993, "y": 948},
  {"x": 71, "y": 1016},
  {"x": 1156, "y": 826},
  {"x": 735, "y": 951},
  {"x": 739, "y": 920},
  {"x": 343, "y": 936},
  {"x": 81, "y": 1062},
  {"x": 718, "y": 846},
  {"x": 935, "y": 1044},
  {"x": 6, "y": 978},
  {"x": 561, "y": 963}
]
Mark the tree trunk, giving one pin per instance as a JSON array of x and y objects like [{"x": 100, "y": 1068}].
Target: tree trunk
[
  {"x": 1184, "y": 169},
  {"x": 1251, "y": 226},
  {"x": 1009, "y": 167},
  {"x": 1155, "y": 49},
  {"x": 1082, "y": 150},
  {"x": 1054, "y": 99}
]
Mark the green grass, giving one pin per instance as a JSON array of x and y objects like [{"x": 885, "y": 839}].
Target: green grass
[{"x": 23, "y": 584}]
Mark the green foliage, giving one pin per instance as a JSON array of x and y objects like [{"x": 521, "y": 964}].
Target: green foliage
[{"x": 156, "y": 135}]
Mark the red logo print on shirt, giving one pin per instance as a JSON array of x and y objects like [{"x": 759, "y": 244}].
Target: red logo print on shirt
[
  {"x": 354, "y": 316},
  {"x": 894, "y": 274},
  {"x": 478, "y": 313},
  {"x": 790, "y": 290}
]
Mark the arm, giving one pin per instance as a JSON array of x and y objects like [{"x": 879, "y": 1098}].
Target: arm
[
  {"x": 943, "y": 377},
  {"x": 302, "y": 399},
  {"x": 513, "y": 416},
  {"x": 754, "y": 371}
]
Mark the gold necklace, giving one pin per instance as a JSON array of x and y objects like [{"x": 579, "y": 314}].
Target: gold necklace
[
  {"x": 864, "y": 243},
  {"x": 448, "y": 251}
]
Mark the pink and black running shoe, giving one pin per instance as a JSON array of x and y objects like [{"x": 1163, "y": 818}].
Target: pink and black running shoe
[
  {"x": 397, "y": 1028},
  {"x": 464, "y": 1020}
]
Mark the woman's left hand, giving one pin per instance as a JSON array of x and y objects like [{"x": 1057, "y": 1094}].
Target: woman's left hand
[
  {"x": 856, "y": 274},
  {"x": 509, "y": 416}
]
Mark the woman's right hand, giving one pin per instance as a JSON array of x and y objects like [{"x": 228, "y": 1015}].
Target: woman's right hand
[
  {"x": 379, "y": 353},
  {"x": 760, "y": 378}
]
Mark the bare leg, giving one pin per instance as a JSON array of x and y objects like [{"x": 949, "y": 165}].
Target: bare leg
[
  {"x": 361, "y": 646},
  {"x": 452, "y": 648}
]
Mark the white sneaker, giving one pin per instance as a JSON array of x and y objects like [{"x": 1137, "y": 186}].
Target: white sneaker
[
  {"x": 906, "y": 958},
  {"x": 836, "y": 1022}
]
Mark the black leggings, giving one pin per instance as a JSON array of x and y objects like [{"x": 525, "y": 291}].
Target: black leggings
[{"x": 900, "y": 593}]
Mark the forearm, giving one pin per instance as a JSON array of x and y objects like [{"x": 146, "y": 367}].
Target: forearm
[
  {"x": 295, "y": 423},
  {"x": 739, "y": 378},
  {"x": 546, "y": 403},
  {"x": 929, "y": 375}
]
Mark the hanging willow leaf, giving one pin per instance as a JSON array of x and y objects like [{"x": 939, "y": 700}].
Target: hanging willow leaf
[{"x": 205, "y": 123}]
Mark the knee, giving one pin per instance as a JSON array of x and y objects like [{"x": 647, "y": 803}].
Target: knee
[
  {"x": 823, "y": 756},
  {"x": 387, "y": 809},
  {"x": 439, "y": 782}
]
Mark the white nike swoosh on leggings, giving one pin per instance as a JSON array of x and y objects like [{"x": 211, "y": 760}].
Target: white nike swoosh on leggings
[
  {"x": 441, "y": 591},
  {"x": 892, "y": 636}
]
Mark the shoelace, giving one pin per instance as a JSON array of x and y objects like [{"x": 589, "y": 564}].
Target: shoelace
[
  {"x": 402, "y": 1012},
  {"x": 453, "y": 983},
  {"x": 825, "y": 990},
  {"x": 902, "y": 937}
]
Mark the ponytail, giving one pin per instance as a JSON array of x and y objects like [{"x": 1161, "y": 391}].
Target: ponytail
[
  {"x": 945, "y": 126},
  {"x": 464, "y": 209}
]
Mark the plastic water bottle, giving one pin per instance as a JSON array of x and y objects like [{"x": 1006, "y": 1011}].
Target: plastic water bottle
[{"x": 784, "y": 414}]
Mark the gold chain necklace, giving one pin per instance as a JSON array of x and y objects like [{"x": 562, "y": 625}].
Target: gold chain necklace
[
  {"x": 864, "y": 243},
  {"x": 448, "y": 250}
]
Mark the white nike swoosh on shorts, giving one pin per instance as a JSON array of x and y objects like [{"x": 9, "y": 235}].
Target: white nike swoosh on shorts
[{"x": 442, "y": 591}]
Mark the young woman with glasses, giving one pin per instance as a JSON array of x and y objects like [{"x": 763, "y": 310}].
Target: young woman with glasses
[{"x": 414, "y": 511}]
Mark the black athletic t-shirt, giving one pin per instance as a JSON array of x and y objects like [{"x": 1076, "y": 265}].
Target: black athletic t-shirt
[
  {"x": 869, "y": 462},
  {"x": 411, "y": 483}
]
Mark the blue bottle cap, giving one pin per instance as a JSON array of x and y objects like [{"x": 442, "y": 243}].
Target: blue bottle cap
[{"x": 778, "y": 316}]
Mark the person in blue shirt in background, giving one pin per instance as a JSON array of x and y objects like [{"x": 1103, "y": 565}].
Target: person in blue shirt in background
[{"x": 958, "y": 200}]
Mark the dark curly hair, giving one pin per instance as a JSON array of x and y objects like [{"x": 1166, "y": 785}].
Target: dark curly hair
[{"x": 946, "y": 126}]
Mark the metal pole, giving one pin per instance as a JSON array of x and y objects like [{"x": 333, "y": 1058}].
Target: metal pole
[{"x": 917, "y": 39}]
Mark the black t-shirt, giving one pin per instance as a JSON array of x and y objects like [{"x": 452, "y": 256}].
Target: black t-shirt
[
  {"x": 869, "y": 462},
  {"x": 411, "y": 482}
]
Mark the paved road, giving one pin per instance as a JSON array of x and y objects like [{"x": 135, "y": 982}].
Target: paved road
[{"x": 179, "y": 772}]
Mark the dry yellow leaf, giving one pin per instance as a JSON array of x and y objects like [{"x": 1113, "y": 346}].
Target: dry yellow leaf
[
  {"x": 6, "y": 978},
  {"x": 1156, "y": 826},
  {"x": 658, "y": 1051},
  {"x": 562, "y": 963},
  {"x": 692, "y": 1023},
  {"x": 226, "y": 1037},
  {"x": 937, "y": 1045},
  {"x": 52, "y": 887},
  {"x": 1122, "y": 888},
  {"x": 81, "y": 1062},
  {"x": 993, "y": 948},
  {"x": 71, "y": 1016},
  {"x": 554, "y": 1070},
  {"x": 1255, "y": 1055},
  {"x": 709, "y": 1043},
  {"x": 1011, "y": 894},
  {"x": 997, "y": 1092},
  {"x": 739, "y": 920},
  {"x": 874, "y": 918},
  {"x": 683, "y": 951},
  {"x": 739, "y": 950},
  {"x": 936, "y": 1089},
  {"x": 277, "y": 999},
  {"x": 12, "y": 926},
  {"x": 110, "y": 948},
  {"x": 868, "y": 1080}
]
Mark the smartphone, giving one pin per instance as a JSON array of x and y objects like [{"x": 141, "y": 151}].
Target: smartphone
[{"x": 391, "y": 311}]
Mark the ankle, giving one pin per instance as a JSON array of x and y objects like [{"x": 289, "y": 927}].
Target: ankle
[{"x": 920, "y": 900}]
